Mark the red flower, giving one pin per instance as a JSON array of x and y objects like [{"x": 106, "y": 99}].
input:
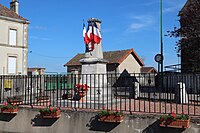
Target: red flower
[
  {"x": 57, "y": 109},
  {"x": 50, "y": 108},
  {"x": 173, "y": 115},
  {"x": 5, "y": 103},
  {"x": 82, "y": 87},
  {"x": 77, "y": 85}
]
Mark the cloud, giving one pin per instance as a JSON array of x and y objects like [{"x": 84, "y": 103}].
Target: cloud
[
  {"x": 40, "y": 38},
  {"x": 140, "y": 22},
  {"x": 171, "y": 9},
  {"x": 136, "y": 26},
  {"x": 37, "y": 27},
  {"x": 172, "y": 6},
  {"x": 107, "y": 30}
]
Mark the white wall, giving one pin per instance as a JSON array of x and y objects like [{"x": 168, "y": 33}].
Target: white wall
[
  {"x": 130, "y": 64},
  {"x": 19, "y": 51}
]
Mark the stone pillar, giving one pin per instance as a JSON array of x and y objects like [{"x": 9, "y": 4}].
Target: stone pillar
[
  {"x": 136, "y": 89},
  {"x": 94, "y": 72},
  {"x": 181, "y": 95}
]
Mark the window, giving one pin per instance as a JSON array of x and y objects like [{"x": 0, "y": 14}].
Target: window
[
  {"x": 12, "y": 65},
  {"x": 12, "y": 37}
]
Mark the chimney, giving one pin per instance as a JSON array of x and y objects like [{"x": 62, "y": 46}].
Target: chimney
[{"x": 14, "y": 5}]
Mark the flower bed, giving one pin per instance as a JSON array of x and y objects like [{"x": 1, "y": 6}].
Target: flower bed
[
  {"x": 43, "y": 100},
  {"x": 8, "y": 108},
  {"x": 15, "y": 100},
  {"x": 50, "y": 113},
  {"x": 171, "y": 120},
  {"x": 40, "y": 98},
  {"x": 110, "y": 116}
]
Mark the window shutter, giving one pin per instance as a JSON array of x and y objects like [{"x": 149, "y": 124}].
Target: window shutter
[
  {"x": 13, "y": 37},
  {"x": 12, "y": 63}
]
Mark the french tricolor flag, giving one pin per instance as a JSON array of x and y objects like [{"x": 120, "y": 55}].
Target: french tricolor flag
[
  {"x": 90, "y": 32},
  {"x": 88, "y": 37},
  {"x": 96, "y": 33},
  {"x": 85, "y": 36},
  {"x": 91, "y": 36}
]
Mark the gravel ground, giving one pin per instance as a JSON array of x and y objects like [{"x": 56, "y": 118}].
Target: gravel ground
[{"x": 158, "y": 107}]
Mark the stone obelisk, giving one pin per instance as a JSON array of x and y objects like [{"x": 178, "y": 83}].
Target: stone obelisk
[{"x": 94, "y": 72}]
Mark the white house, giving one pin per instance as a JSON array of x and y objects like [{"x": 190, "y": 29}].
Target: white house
[
  {"x": 119, "y": 61},
  {"x": 13, "y": 40}
]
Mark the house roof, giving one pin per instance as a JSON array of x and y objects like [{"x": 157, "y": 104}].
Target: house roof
[
  {"x": 114, "y": 57},
  {"x": 4, "y": 11},
  {"x": 148, "y": 70},
  {"x": 34, "y": 68}
]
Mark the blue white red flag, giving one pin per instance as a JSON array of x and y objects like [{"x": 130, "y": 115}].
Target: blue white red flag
[
  {"x": 91, "y": 36},
  {"x": 96, "y": 33},
  {"x": 90, "y": 32},
  {"x": 86, "y": 39}
]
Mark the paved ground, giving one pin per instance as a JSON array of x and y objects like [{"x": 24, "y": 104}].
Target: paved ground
[{"x": 130, "y": 105}]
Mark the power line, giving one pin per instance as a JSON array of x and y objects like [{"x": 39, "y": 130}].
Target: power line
[{"x": 47, "y": 56}]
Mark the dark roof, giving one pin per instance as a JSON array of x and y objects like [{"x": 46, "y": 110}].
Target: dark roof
[
  {"x": 148, "y": 70},
  {"x": 125, "y": 80},
  {"x": 114, "y": 57},
  {"x": 4, "y": 11},
  {"x": 36, "y": 68}
]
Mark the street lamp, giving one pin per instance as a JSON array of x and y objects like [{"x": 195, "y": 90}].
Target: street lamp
[
  {"x": 159, "y": 57},
  {"x": 161, "y": 35},
  {"x": 161, "y": 42}
]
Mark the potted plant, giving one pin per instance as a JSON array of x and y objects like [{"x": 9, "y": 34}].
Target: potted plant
[
  {"x": 42, "y": 97},
  {"x": 15, "y": 100},
  {"x": 110, "y": 116},
  {"x": 50, "y": 112},
  {"x": 67, "y": 95},
  {"x": 9, "y": 108},
  {"x": 174, "y": 121},
  {"x": 82, "y": 89}
]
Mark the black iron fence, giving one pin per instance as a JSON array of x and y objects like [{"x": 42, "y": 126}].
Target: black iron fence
[{"x": 180, "y": 93}]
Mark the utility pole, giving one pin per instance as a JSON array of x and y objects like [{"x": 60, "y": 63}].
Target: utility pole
[{"x": 161, "y": 41}]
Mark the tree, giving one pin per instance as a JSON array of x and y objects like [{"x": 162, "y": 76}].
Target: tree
[{"x": 189, "y": 32}]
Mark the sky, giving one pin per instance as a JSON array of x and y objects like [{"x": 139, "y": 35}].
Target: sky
[{"x": 55, "y": 29}]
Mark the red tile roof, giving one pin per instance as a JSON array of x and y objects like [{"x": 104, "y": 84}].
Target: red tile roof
[
  {"x": 148, "y": 70},
  {"x": 114, "y": 57},
  {"x": 4, "y": 11}
]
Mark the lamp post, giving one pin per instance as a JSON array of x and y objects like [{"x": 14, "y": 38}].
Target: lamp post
[
  {"x": 161, "y": 35},
  {"x": 161, "y": 42}
]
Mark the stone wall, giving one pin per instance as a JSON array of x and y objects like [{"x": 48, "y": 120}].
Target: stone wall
[{"x": 82, "y": 122}]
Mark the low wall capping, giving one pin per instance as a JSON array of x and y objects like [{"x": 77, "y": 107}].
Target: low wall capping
[
  {"x": 194, "y": 119},
  {"x": 81, "y": 118}
]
